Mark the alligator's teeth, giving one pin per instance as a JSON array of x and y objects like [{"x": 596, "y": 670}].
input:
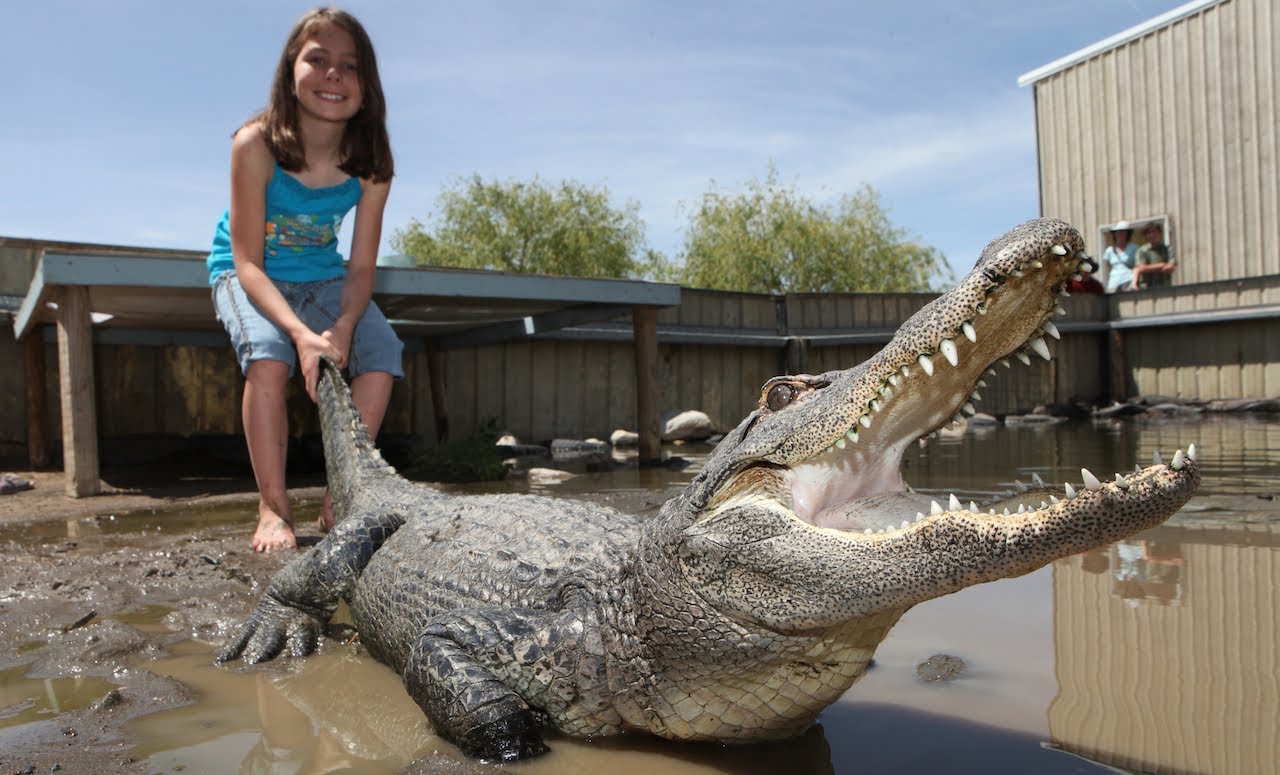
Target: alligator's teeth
[
  {"x": 1191, "y": 452},
  {"x": 868, "y": 531},
  {"x": 906, "y": 371},
  {"x": 841, "y": 443},
  {"x": 1060, "y": 312},
  {"x": 1179, "y": 460},
  {"x": 990, "y": 372},
  {"x": 981, "y": 308},
  {"x": 1035, "y": 477},
  {"x": 865, "y": 420},
  {"x": 919, "y": 516},
  {"x": 957, "y": 418},
  {"x": 1036, "y": 264},
  {"x": 1054, "y": 499},
  {"x": 1058, "y": 250},
  {"x": 1041, "y": 348},
  {"x": 968, "y": 408},
  {"x": 1019, "y": 484},
  {"x": 1005, "y": 363},
  {"x": 1044, "y": 504},
  {"x": 982, "y": 382},
  {"x": 1077, "y": 277},
  {"x": 905, "y": 524},
  {"x": 1063, "y": 293},
  {"x": 969, "y": 331},
  {"x": 992, "y": 512},
  {"x": 1156, "y": 460},
  {"x": 852, "y": 436},
  {"x": 893, "y": 380},
  {"x": 975, "y": 395},
  {"x": 1069, "y": 490},
  {"x": 1051, "y": 329},
  {"x": 1022, "y": 508},
  {"x": 874, "y": 405},
  {"x": 948, "y": 348},
  {"x": 1016, "y": 273},
  {"x": 1006, "y": 512},
  {"x": 1121, "y": 482},
  {"x": 1022, "y": 356},
  {"x": 954, "y": 503},
  {"x": 973, "y": 507},
  {"x": 935, "y": 508},
  {"x": 926, "y": 363},
  {"x": 1090, "y": 481}
]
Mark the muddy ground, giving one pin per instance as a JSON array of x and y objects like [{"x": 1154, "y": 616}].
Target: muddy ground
[{"x": 73, "y": 573}]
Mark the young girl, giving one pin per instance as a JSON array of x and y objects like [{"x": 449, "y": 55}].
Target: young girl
[{"x": 279, "y": 285}]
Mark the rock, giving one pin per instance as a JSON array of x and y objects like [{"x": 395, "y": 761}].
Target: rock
[
  {"x": 623, "y": 438},
  {"x": 548, "y": 476},
  {"x": 1116, "y": 410},
  {"x": 940, "y": 667},
  {"x": 507, "y": 440},
  {"x": 569, "y": 449},
  {"x": 691, "y": 425},
  {"x": 1033, "y": 419}
]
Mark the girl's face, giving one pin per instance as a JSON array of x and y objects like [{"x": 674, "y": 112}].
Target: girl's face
[{"x": 326, "y": 79}]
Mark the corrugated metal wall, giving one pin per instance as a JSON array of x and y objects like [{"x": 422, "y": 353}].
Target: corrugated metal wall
[{"x": 1179, "y": 122}]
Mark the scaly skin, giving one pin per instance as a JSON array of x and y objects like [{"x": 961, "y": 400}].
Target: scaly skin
[{"x": 753, "y": 600}]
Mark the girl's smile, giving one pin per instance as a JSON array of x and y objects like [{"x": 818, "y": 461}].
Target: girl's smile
[{"x": 326, "y": 78}]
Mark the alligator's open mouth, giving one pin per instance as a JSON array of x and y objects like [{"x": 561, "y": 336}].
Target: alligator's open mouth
[{"x": 840, "y": 465}]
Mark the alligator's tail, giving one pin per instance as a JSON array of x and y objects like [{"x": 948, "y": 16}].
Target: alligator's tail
[{"x": 351, "y": 459}]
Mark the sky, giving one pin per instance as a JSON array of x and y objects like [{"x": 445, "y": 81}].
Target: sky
[{"x": 118, "y": 115}]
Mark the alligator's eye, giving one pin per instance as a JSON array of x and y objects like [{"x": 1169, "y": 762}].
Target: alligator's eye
[{"x": 780, "y": 395}]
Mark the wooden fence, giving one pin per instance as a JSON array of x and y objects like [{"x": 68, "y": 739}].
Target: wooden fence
[{"x": 715, "y": 349}]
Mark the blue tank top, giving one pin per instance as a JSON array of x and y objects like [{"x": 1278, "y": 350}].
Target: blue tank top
[{"x": 301, "y": 236}]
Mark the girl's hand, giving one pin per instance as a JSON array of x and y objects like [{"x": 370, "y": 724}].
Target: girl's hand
[
  {"x": 339, "y": 337},
  {"x": 311, "y": 346}
]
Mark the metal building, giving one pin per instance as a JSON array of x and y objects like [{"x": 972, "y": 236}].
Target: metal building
[{"x": 1173, "y": 120}]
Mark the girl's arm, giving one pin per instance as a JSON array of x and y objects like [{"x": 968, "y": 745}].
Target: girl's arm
[
  {"x": 358, "y": 288},
  {"x": 251, "y": 168}
]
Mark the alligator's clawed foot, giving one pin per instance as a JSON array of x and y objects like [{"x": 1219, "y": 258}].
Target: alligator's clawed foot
[
  {"x": 515, "y": 736},
  {"x": 271, "y": 630}
]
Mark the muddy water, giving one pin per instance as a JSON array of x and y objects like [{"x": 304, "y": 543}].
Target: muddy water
[{"x": 1157, "y": 654}]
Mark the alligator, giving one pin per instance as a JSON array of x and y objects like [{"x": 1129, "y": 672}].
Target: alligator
[{"x": 754, "y": 598}]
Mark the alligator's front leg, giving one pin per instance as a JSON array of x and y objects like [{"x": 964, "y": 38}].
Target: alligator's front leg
[
  {"x": 304, "y": 594},
  {"x": 487, "y": 678}
]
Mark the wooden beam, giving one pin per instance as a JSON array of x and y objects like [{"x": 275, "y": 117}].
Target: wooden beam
[
  {"x": 37, "y": 407},
  {"x": 435, "y": 374},
  {"x": 644, "y": 322},
  {"x": 76, "y": 386}
]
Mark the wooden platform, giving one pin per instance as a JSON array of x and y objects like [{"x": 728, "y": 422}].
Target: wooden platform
[{"x": 80, "y": 292}]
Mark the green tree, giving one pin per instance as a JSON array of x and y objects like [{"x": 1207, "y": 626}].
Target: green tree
[
  {"x": 569, "y": 229},
  {"x": 771, "y": 239}
]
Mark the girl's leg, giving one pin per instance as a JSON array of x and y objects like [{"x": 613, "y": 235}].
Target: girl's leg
[
  {"x": 372, "y": 392},
  {"x": 266, "y": 429}
]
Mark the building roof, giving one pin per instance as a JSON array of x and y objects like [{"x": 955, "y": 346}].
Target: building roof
[{"x": 1115, "y": 41}]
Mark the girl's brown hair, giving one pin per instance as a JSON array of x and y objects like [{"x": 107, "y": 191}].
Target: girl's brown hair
[{"x": 365, "y": 148}]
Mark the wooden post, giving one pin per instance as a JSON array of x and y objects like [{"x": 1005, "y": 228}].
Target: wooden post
[
  {"x": 435, "y": 374},
  {"x": 37, "y": 407},
  {"x": 76, "y": 387},
  {"x": 644, "y": 323},
  {"x": 1117, "y": 367}
]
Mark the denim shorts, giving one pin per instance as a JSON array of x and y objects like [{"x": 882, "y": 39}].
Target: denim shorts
[{"x": 374, "y": 345}]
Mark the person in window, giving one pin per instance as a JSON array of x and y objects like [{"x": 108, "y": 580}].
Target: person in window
[
  {"x": 1154, "y": 264},
  {"x": 1121, "y": 256}
]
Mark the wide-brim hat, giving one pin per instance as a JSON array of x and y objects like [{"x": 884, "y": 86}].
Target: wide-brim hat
[{"x": 1121, "y": 226}]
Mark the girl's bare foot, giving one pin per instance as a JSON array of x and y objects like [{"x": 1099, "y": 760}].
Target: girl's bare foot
[
  {"x": 324, "y": 523},
  {"x": 274, "y": 532}
]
